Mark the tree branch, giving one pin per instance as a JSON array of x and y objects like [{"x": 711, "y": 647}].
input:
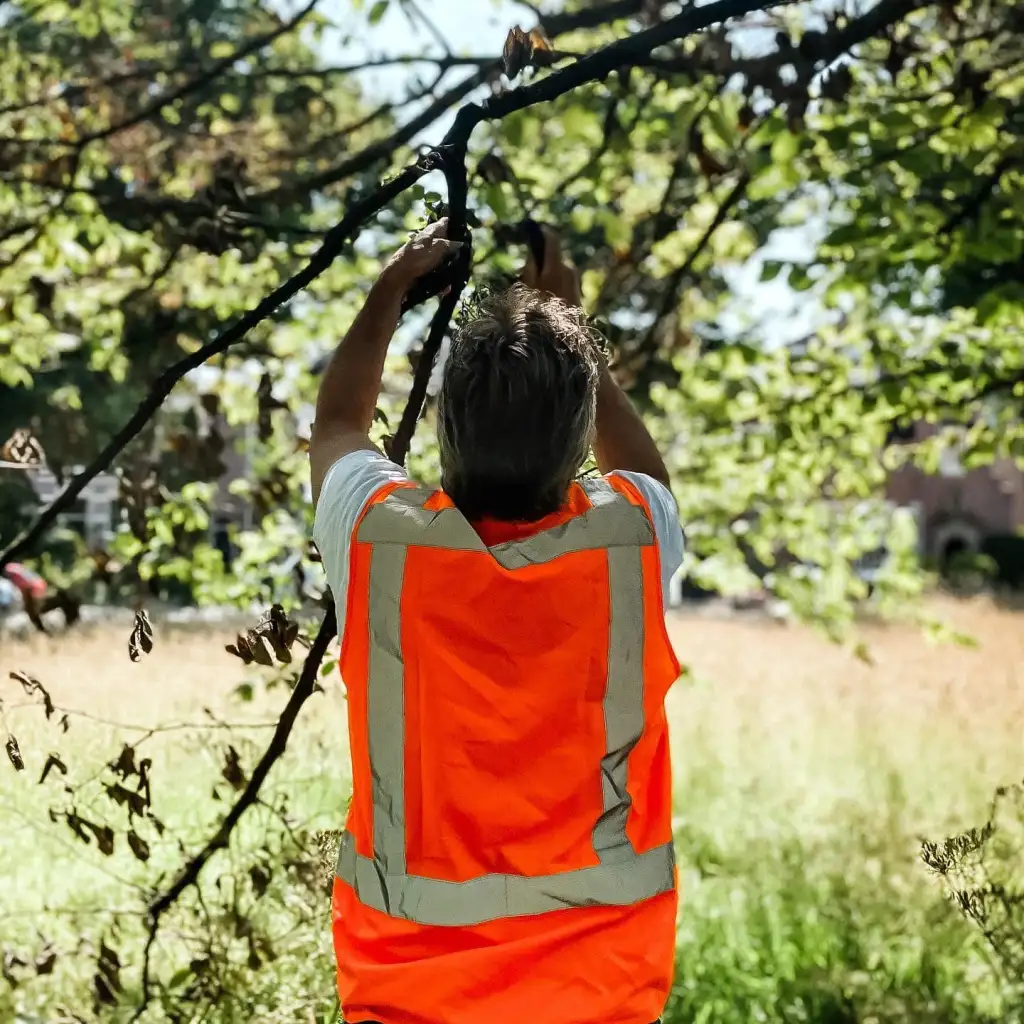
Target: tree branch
[
  {"x": 165, "y": 99},
  {"x": 384, "y": 148},
  {"x": 334, "y": 242},
  {"x": 588, "y": 69},
  {"x": 443, "y": 63},
  {"x": 458, "y": 195},
  {"x": 678, "y": 276},
  {"x": 189, "y": 875}
]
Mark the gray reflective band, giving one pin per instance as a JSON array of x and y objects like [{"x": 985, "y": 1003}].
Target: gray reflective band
[
  {"x": 623, "y": 700},
  {"x": 385, "y": 705},
  {"x": 401, "y": 519},
  {"x": 491, "y": 897},
  {"x": 612, "y": 521},
  {"x": 623, "y": 876}
]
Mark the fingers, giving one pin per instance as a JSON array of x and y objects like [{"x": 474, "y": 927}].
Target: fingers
[
  {"x": 552, "y": 246},
  {"x": 426, "y": 253},
  {"x": 443, "y": 246},
  {"x": 439, "y": 229}
]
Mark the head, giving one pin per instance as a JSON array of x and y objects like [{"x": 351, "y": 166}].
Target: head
[{"x": 516, "y": 406}]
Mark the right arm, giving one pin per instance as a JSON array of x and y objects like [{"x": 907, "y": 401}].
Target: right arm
[{"x": 621, "y": 439}]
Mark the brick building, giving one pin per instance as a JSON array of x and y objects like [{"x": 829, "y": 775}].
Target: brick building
[{"x": 959, "y": 508}]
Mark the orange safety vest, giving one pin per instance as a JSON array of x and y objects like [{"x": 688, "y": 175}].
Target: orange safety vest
[{"x": 508, "y": 852}]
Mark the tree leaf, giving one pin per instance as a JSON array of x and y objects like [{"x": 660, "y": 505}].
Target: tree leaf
[
  {"x": 53, "y": 761},
  {"x": 138, "y": 846},
  {"x": 141, "y": 640},
  {"x": 14, "y": 753}
]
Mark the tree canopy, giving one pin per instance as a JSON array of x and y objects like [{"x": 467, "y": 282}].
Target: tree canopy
[
  {"x": 165, "y": 167},
  {"x": 194, "y": 199}
]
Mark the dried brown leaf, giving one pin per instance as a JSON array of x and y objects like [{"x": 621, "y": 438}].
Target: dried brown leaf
[
  {"x": 144, "y": 765},
  {"x": 124, "y": 797},
  {"x": 516, "y": 52},
  {"x": 232, "y": 771},
  {"x": 53, "y": 761},
  {"x": 10, "y": 962},
  {"x": 22, "y": 449},
  {"x": 260, "y": 878},
  {"x": 45, "y": 961},
  {"x": 14, "y": 753},
  {"x": 240, "y": 649},
  {"x": 32, "y": 686},
  {"x": 538, "y": 41},
  {"x": 260, "y": 652},
  {"x": 125, "y": 763},
  {"x": 104, "y": 838},
  {"x": 271, "y": 640},
  {"x": 28, "y": 683},
  {"x": 141, "y": 640},
  {"x": 107, "y": 981},
  {"x": 138, "y": 846},
  {"x": 77, "y": 825}
]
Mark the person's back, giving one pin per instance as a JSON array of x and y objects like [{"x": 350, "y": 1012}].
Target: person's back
[{"x": 508, "y": 850}]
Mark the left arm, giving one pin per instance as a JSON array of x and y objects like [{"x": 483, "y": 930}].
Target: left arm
[{"x": 351, "y": 383}]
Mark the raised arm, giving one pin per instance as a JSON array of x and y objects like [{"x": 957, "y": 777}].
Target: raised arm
[
  {"x": 351, "y": 383},
  {"x": 621, "y": 440}
]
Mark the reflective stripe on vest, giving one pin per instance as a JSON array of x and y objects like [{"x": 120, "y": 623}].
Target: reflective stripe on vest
[{"x": 622, "y": 876}]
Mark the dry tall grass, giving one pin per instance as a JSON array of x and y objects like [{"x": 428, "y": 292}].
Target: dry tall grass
[
  {"x": 785, "y": 707},
  {"x": 804, "y": 779}
]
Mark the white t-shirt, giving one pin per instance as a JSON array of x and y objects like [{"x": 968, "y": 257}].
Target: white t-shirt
[{"x": 356, "y": 477}]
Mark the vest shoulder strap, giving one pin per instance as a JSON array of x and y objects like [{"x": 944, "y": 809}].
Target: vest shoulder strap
[{"x": 404, "y": 516}]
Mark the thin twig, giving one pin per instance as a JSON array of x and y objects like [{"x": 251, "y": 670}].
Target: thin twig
[
  {"x": 425, "y": 20},
  {"x": 334, "y": 242},
  {"x": 383, "y": 148},
  {"x": 189, "y": 875},
  {"x": 678, "y": 276},
  {"x": 171, "y": 96}
]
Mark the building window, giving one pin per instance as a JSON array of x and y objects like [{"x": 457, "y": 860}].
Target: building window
[{"x": 950, "y": 464}]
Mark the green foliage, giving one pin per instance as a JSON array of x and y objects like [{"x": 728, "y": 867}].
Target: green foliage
[
  {"x": 981, "y": 871},
  {"x": 667, "y": 180},
  {"x": 163, "y": 167},
  {"x": 798, "y": 806}
]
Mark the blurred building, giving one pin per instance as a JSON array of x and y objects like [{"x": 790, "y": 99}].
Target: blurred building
[
  {"x": 960, "y": 509},
  {"x": 94, "y": 513}
]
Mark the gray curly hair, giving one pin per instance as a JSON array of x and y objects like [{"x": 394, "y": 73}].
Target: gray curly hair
[{"x": 517, "y": 405}]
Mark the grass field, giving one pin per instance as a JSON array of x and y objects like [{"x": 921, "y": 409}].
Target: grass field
[{"x": 804, "y": 781}]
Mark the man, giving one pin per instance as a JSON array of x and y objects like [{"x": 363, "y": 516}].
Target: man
[
  {"x": 37, "y": 598},
  {"x": 508, "y": 852}
]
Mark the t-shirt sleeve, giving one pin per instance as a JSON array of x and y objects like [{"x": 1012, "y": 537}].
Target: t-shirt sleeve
[
  {"x": 348, "y": 486},
  {"x": 667, "y": 527}
]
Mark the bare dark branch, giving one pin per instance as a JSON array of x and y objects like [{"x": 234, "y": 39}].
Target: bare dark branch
[
  {"x": 385, "y": 148},
  {"x": 334, "y": 242},
  {"x": 171, "y": 96}
]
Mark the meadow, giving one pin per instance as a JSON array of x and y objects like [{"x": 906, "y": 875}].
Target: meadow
[{"x": 805, "y": 781}]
